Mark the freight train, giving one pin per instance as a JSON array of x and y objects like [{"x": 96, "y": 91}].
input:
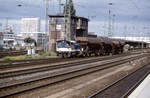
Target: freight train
[{"x": 88, "y": 46}]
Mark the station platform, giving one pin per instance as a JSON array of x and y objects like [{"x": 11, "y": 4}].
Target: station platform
[{"x": 143, "y": 90}]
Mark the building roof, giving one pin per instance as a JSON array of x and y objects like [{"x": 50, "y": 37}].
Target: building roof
[{"x": 72, "y": 16}]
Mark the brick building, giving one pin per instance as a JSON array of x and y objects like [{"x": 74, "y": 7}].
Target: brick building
[{"x": 79, "y": 27}]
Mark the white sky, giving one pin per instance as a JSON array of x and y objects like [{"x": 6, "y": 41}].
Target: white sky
[{"x": 134, "y": 14}]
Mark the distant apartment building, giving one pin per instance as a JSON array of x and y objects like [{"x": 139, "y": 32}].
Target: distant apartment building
[
  {"x": 30, "y": 25},
  {"x": 79, "y": 28},
  {"x": 31, "y": 28},
  {"x": 1, "y": 40}
]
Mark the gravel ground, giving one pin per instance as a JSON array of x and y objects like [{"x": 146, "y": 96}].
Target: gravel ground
[{"x": 83, "y": 86}]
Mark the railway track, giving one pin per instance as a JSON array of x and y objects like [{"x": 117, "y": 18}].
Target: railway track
[
  {"x": 13, "y": 53},
  {"x": 122, "y": 87},
  {"x": 135, "y": 86},
  {"x": 12, "y": 73},
  {"x": 20, "y": 63},
  {"x": 34, "y": 83}
]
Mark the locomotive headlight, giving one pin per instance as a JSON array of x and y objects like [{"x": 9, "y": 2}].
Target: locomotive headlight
[{"x": 82, "y": 49}]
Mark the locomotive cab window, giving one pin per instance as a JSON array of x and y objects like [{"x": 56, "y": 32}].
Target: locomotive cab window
[{"x": 59, "y": 44}]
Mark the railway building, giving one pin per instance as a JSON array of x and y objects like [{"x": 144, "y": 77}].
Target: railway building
[{"x": 79, "y": 28}]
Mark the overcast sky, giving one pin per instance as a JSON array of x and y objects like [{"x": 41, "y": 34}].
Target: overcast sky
[{"x": 131, "y": 16}]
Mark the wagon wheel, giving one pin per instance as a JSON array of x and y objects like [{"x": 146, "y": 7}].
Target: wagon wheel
[
  {"x": 69, "y": 55},
  {"x": 62, "y": 55}
]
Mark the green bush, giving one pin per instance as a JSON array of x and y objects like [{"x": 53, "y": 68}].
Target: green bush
[
  {"x": 53, "y": 54},
  {"x": 12, "y": 58},
  {"x": 6, "y": 59},
  {"x": 49, "y": 54},
  {"x": 26, "y": 57}
]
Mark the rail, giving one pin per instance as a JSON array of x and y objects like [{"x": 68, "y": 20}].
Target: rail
[{"x": 96, "y": 94}]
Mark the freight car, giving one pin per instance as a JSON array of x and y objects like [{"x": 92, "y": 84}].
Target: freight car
[{"x": 100, "y": 45}]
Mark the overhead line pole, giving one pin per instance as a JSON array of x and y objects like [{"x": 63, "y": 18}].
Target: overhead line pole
[
  {"x": 65, "y": 20},
  {"x": 69, "y": 22},
  {"x": 113, "y": 25},
  {"x": 46, "y": 20},
  {"x": 109, "y": 23},
  {"x": 46, "y": 26}
]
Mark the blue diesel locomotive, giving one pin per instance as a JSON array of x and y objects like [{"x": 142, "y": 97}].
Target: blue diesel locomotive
[{"x": 66, "y": 48}]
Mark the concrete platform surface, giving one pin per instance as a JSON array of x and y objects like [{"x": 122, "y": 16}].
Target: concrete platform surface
[{"x": 143, "y": 90}]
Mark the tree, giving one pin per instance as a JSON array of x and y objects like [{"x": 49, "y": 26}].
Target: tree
[
  {"x": 30, "y": 41},
  {"x": 71, "y": 5}
]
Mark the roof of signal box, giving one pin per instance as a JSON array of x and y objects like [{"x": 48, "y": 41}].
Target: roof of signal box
[{"x": 71, "y": 16}]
